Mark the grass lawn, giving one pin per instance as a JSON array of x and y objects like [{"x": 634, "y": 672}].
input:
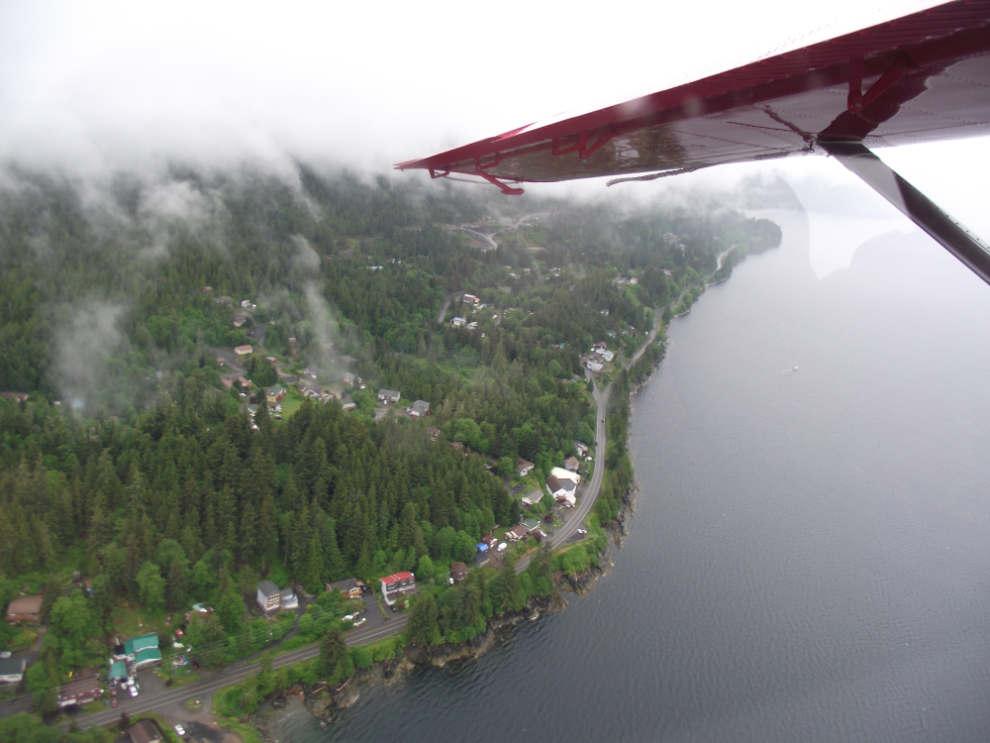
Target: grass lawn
[
  {"x": 291, "y": 403},
  {"x": 134, "y": 620}
]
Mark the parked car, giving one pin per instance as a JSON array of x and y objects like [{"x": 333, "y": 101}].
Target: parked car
[
  {"x": 361, "y": 621},
  {"x": 113, "y": 701},
  {"x": 133, "y": 691},
  {"x": 180, "y": 731}
]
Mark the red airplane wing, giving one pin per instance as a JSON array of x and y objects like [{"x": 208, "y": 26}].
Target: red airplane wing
[{"x": 922, "y": 77}]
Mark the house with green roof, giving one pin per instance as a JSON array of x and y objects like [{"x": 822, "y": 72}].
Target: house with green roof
[
  {"x": 147, "y": 657},
  {"x": 140, "y": 650}
]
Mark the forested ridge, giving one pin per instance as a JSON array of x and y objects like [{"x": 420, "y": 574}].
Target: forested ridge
[{"x": 149, "y": 478}]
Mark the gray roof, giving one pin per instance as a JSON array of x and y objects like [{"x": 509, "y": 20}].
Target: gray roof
[
  {"x": 12, "y": 666},
  {"x": 268, "y": 588},
  {"x": 421, "y": 406}
]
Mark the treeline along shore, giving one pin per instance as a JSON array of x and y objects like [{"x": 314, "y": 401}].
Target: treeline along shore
[{"x": 307, "y": 385}]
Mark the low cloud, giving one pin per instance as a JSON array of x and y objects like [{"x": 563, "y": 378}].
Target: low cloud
[{"x": 90, "y": 336}]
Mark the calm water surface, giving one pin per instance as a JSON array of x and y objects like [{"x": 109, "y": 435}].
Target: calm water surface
[{"x": 810, "y": 554}]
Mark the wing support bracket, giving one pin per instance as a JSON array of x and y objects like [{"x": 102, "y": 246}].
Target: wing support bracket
[
  {"x": 917, "y": 207},
  {"x": 858, "y": 100},
  {"x": 584, "y": 152},
  {"x": 479, "y": 169}
]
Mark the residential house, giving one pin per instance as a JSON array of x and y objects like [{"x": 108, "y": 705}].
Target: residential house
[
  {"x": 420, "y": 409},
  {"x": 118, "y": 671},
  {"x": 458, "y": 446},
  {"x": 12, "y": 670},
  {"x": 472, "y": 326},
  {"x": 388, "y": 396},
  {"x": 275, "y": 394},
  {"x": 561, "y": 490},
  {"x": 245, "y": 382},
  {"x": 432, "y": 432},
  {"x": 348, "y": 378},
  {"x": 582, "y": 448},
  {"x": 469, "y": 299},
  {"x": 247, "y": 305},
  {"x": 142, "y": 650},
  {"x": 481, "y": 558},
  {"x": 458, "y": 571},
  {"x": 288, "y": 598},
  {"x": 228, "y": 383},
  {"x": 531, "y": 524},
  {"x": 144, "y": 731},
  {"x": 562, "y": 474},
  {"x": 593, "y": 366},
  {"x": 571, "y": 464},
  {"x": 350, "y": 588},
  {"x": 15, "y": 396},
  {"x": 348, "y": 404},
  {"x": 532, "y": 497},
  {"x": 523, "y": 466},
  {"x": 244, "y": 350},
  {"x": 148, "y": 656},
  {"x": 458, "y": 322},
  {"x": 608, "y": 356},
  {"x": 225, "y": 300},
  {"x": 269, "y": 596},
  {"x": 85, "y": 688},
  {"x": 239, "y": 321},
  {"x": 25, "y": 610},
  {"x": 517, "y": 533},
  {"x": 313, "y": 393},
  {"x": 397, "y": 585}
]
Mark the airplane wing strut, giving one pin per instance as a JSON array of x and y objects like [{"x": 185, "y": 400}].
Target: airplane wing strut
[{"x": 917, "y": 207}]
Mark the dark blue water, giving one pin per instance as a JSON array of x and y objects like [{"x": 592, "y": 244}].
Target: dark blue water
[{"x": 810, "y": 554}]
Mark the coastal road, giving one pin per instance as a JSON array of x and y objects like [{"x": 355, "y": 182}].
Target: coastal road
[
  {"x": 211, "y": 681},
  {"x": 583, "y": 508}
]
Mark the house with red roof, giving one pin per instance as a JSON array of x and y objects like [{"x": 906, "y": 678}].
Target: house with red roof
[{"x": 398, "y": 585}]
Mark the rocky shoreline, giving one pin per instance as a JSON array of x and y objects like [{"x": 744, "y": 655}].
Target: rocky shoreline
[{"x": 325, "y": 702}]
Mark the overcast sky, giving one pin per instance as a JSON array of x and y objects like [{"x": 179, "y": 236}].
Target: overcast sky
[{"x": 87, "y": 86}]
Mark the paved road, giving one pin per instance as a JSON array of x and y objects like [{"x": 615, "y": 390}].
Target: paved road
[
  {"x": 565, "y": 532},
  {"x": 211, "y": 681}
]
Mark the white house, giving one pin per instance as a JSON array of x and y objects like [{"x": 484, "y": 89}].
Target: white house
[
  {"x": 269, "y": 596},
  {"x": 458, "y": 322},
  {"x": 388, "y": 396},
  {"x": 12, "y": 670},
  {"x": 593, "y": 366},
  {"x": 561, "y": 474},
  {"x": 562, "y": 490},
  {"x": 397, "y": 585}
]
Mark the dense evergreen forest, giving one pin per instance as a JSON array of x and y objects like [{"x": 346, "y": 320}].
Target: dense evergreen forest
[{"x": 150, "y": 478}]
